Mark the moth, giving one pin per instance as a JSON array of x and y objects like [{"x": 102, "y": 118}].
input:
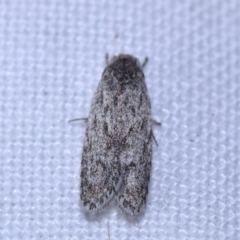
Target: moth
[{"x": 117, "y": 150}]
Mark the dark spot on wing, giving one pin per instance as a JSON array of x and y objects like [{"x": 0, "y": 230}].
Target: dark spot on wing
[
  {"x": 143, "y": 124},
  {"x": 106, "y": 109},
  {"x": 125, "y": 203},
  {"x": 92, "y": 206},
  {"x": 140, "y": 101},
  {"x": 133, "y": 111},
  {"x": 105, "y": 127},
  {"x": 115, "y": 101}
]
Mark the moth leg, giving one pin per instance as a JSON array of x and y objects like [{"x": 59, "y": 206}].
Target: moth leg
[
  {"x": 78, "y": 119},
  {"x": 145, "y": 62},
  {"x": 107, "y": 59},
  {"x": 154, "y": 138},
  {"x": 156, "y": 122}
]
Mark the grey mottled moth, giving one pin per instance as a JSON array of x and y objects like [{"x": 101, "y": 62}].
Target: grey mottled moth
[{"x": 116, "y": 158}]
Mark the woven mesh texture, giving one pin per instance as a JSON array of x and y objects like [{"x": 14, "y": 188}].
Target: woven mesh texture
[{"x": 51, "y": 60}]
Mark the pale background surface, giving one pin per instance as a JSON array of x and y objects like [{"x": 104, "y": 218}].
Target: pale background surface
[{"x": 51, "y": 60}]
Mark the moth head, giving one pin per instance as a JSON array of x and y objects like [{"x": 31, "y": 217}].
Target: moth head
[
  {"x": 125, "y": 69},
  {"x": 125, "y": 60}
]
